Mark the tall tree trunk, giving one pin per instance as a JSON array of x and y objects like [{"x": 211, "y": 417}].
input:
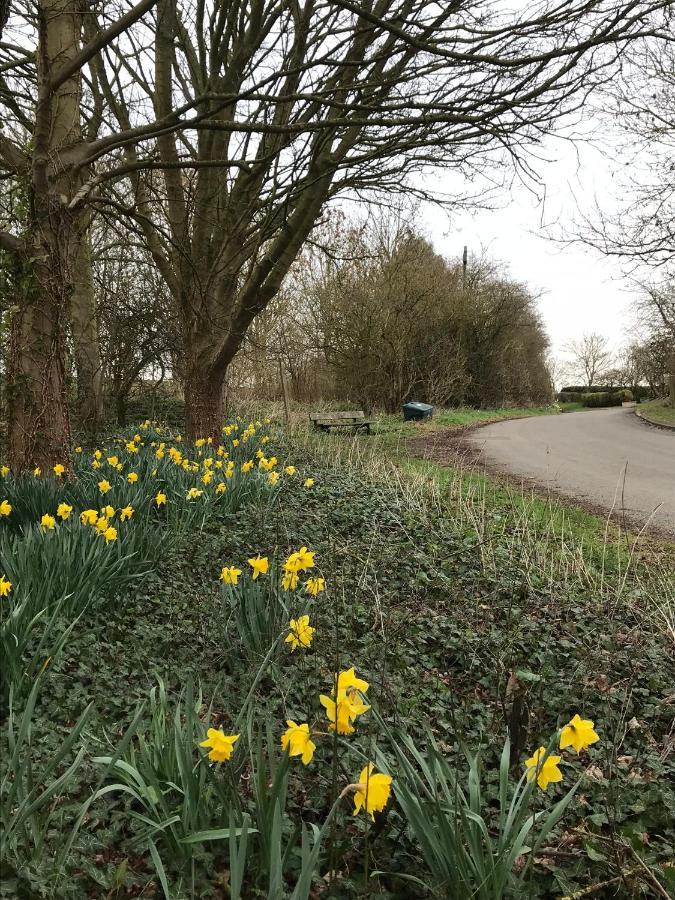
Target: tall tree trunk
[
  {"x": 204, "y": 390},
  {"x": 39, "y": 430},
  {"x": 86, "y": 343}
]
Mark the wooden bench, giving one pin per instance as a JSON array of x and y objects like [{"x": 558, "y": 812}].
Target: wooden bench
[{"x": 356, "y": 420}]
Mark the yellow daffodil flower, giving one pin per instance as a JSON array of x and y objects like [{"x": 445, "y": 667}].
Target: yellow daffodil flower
[
  {"x": 273, "y": 477},
  {"x": 221, "y": 487},
  {"x": 5, "y": 508},
  {"x": 126, "y": 513},
  {"x": 546, "y": 771},
  {"x": 309, "y": 482},
  {"x": 373, "y": 793},
  {"x": 247, "y": 466},
  {"x": 112, "y": 461},
  {"x": 298, "y": 741},
  {"x": 160, "y": 499},
  {"x": 131, "y": 447},
  {"x": 207, "y": 477},
  {"x": 37, "y": 471},
  {"x": 4, "y": 471},
  {"x": 260, "y": 565},
  {"x": 101, "y": 524},
  {"x": 78, "y": 449},
  {"x": 221, "y": 745},
  {"x": 315, "y": 586},
  {"x": 89, "y": 517},
  {"x": 301, "y": 633},
  {"x": 108, "y": 512},
  {"x": 5, "y": 586},
  {"x": 95, "y": 464},
  {"x": 300, "y": 560},
  {"x": 64, "y": 511},
  {"x": 48, "y": 522},
  {"x": 110, "y": 534},
  {"x": 104, "y": 486},
  {"x": 290, "y": 470},
  {"x": 345, "y": 702},
  {"x": 289, "y": 581},
  {"x": 193, "y": 493},
  {"x": 59, "y": 470},
  {"x": 578, "y": 733},
  {"x": 230, "y": 574},
  {"x": 132, "y": 477}
]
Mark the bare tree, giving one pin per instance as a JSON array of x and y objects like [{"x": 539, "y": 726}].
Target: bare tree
[
  {"x": 642, "y": 103},
  {"x": 591, "y": 357},
  {"x": 235, "y": 123}
]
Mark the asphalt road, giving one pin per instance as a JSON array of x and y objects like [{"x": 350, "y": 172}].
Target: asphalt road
[{"x": 585, "y": 455}]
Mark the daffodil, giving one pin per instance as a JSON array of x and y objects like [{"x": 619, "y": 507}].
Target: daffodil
[
  {"x": 160, "y": 499},
  {"x": 102, "y": 524},
  {"x": 273, "y": 477},
  {"x": 112, "y": 461},
  {"x": 290, "y": 470},
  {"x": 260, "y": 565},
  {"x": 289, "y": 581},
  {"x": 132, "y": 477},
  {"x": 298, "y": 740},
  {"x": 78, "y": 449},
  {"x": 95, "y": 464},
  {"x": 345, "y": 702},
  {"x": 247, "y": 466},
  {"x": 545, "y": 770},
  {"x": 578, "y": 733},
  {"x": 4, "y": 471},
  {"x": 221, "y": 487},
  {"x": 48, "y": 522},
  {"x": 230, "y": 574},
  {"x": 373, "y": 793},
  {"x": 315, "y": 586},
  {"x": 193, "y": 493},
  {"x": 97, "y": 454},
  {"x": 104, "y": 486},
  {"x": 59, "y": 470},
  {"x": 37, "y": 471},
  {"x": 300, "y": 634},
  {"x": 89, "y": 517},
  {"x": 126, "y": 513},
  {"x": 220, "y": 745},
  {"x": 309, "y": 482},
  {"x": 300, "y": 561},
  {"x": 5, "y": 508},
  {"x": 63, "y": 511},
  {"x": 5, "y": 586},
  {"x": 110, "y": 534},
  {"x": 207, "y": 477},
  {"x": 131, "y": 447},
  {"x": 200, "y": 442},
  {"x": 108, "y": 511}
]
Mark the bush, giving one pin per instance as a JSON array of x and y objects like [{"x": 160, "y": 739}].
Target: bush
[{"x": 602, "y": 399}]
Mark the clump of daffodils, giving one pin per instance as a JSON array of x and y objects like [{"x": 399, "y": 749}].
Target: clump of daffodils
[{"x": 579, "y": 734}]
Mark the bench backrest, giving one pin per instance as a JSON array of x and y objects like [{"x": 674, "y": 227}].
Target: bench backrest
[{"x": 356, "y": 415}]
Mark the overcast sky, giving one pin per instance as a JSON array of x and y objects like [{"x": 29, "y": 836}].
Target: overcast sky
[{"x": 581, "y": 290}]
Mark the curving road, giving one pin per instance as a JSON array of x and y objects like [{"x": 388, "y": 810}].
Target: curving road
[{"x": 585, "y": 455}]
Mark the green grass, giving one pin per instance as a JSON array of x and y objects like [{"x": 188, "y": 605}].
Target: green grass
[{"x": 658, "y": 411}]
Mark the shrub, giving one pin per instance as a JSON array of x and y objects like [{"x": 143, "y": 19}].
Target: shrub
[{"x": 602, "y": 399}]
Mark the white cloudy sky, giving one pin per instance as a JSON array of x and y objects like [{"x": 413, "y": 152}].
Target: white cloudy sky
[{"x": 582, "y": 291}]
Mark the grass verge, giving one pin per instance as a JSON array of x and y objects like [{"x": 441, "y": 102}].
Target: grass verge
[{"x": 658, "y": 411}]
